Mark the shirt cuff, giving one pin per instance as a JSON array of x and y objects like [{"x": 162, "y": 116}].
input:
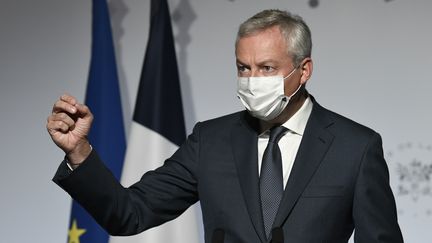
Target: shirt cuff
[{"x": 67, "y": 161}]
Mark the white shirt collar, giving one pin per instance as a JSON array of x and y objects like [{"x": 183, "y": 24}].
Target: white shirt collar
[{"x": 297, "y": 123}]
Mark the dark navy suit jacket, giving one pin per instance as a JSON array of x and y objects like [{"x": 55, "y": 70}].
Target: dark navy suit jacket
[{"x": 339, "y": 182}]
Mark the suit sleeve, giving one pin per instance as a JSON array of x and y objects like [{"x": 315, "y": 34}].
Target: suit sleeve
[
  {"x": 161, "y": 195},
  {"x": 374, "y": 209}
]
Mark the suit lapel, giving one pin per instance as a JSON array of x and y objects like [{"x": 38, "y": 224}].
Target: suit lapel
[
  {"x": 314, "y": 145},
  {"x": 244, "y": 144}
]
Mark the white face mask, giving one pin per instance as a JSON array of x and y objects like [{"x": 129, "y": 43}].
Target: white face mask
[{"x": 264, "y": 97}]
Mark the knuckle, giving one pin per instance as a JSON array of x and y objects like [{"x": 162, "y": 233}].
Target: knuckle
[
  {"x": 60, "y": 124},
  {"x": 58, "y": 106},
  {"x": 63, "y": 116},
  {"x": 58, "y": 103}
]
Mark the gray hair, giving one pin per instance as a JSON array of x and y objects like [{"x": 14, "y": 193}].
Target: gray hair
[{"x": 295, "y": 31}]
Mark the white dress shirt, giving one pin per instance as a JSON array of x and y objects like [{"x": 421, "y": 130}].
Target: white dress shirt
[{"x": 290, "y": 141}]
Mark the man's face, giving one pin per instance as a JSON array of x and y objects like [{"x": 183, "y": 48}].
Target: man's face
[{"x": 264, "y": 54}]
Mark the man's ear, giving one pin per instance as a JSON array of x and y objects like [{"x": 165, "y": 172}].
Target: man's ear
[{"x": 306, "y": 67}]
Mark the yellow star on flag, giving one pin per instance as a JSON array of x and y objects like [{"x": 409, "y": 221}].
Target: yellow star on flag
[{"x": 75, "y": 233}]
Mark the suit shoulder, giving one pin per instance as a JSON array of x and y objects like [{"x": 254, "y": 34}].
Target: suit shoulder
[
  {"x": 219, "y": 126},
  {"x": 223, "y": 120},
  {"x": 344, "y": 125}
]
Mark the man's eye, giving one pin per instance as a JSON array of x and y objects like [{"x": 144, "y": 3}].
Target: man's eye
[
  {"x": 268, "y": 68},
  {"x": 241, "y": 69}
]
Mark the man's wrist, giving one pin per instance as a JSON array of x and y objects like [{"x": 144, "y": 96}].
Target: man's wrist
[{"x": 78, "y": 155}]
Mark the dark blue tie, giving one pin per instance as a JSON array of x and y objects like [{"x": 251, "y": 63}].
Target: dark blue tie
[{"x": 271, "y": 178}]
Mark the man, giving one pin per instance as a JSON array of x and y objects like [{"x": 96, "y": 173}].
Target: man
[{"x": 286, "y": 165}]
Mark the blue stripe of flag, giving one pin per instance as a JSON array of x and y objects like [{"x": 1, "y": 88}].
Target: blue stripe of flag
[{"x": 103, "y": 98}]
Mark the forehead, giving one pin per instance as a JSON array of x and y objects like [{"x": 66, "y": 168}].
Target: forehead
[{"x": 268, "y": 43}]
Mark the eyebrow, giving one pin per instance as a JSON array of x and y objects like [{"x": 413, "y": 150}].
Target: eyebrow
[
  {"x": 239, "y": 63},
  {"x": 267, "y": 61},
  {"x": 261, "y": 63}
]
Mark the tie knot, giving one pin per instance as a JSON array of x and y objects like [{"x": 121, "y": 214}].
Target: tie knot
[{"x": 276, "y": 133}]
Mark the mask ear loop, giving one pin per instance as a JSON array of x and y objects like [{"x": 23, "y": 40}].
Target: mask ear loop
[
  {"x": 289, "y": 75},
  {"x": 295, "y": 92}
]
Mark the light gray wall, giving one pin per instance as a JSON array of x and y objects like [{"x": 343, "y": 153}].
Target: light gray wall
[
  {"x": 44, "y": 48},
  {"x": 371, "y": 57}
]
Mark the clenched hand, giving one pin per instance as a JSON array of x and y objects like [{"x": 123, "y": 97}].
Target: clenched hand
[{"x": 68, "y": 125}]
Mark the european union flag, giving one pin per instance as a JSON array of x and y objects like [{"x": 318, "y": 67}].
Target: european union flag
[{"x": 107, "y": 135}]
